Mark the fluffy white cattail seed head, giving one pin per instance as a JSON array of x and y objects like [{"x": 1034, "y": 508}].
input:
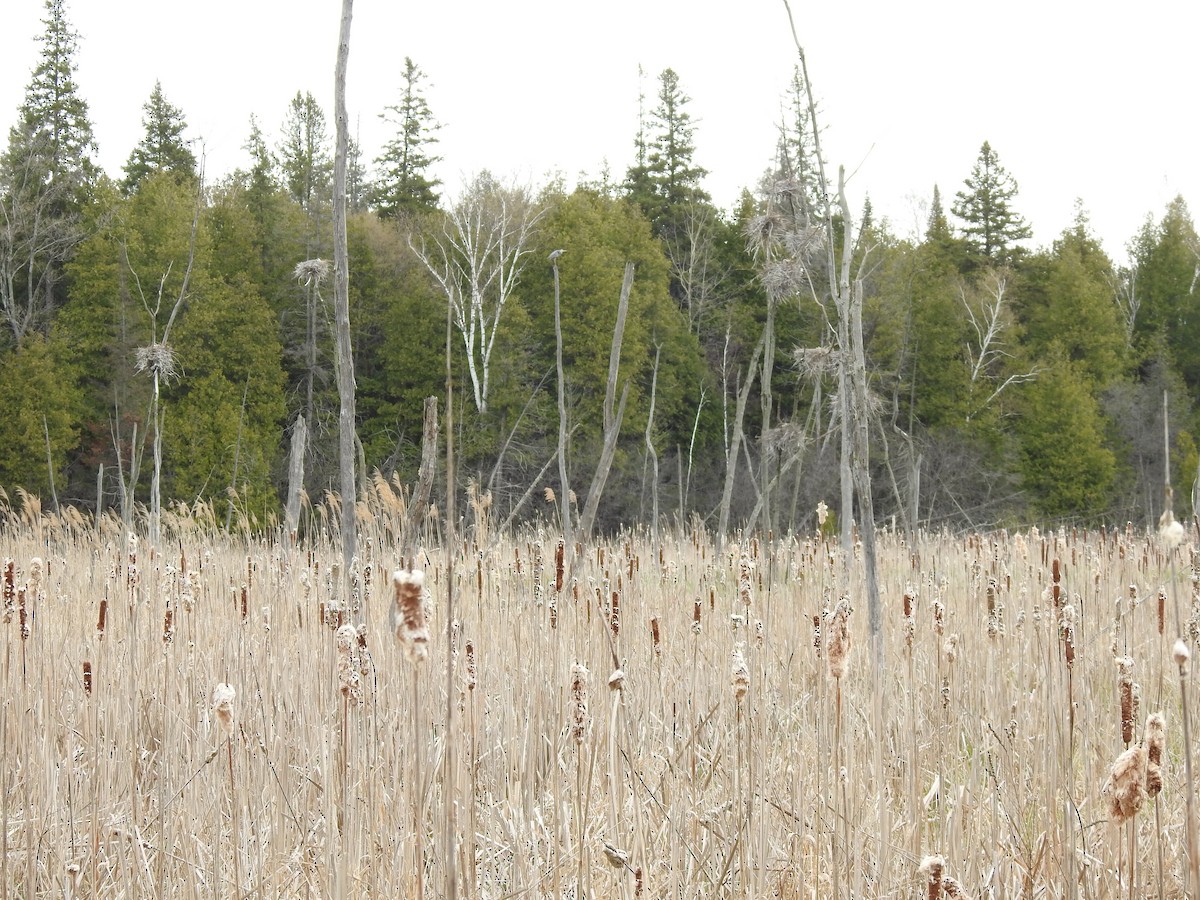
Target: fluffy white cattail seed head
[
  {"x": 222, "y": 704},
  {"x": 408, "y": 614}
]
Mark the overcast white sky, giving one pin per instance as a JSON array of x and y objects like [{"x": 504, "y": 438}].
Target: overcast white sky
[{"x": 1089, "y": 100}]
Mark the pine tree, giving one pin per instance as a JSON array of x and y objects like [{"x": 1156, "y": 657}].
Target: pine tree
[
  {"x": 46, "y": 174},
  {"x": 991, "y": 225},
  {"x": 162, "y": 148},
  {"x": 404, "y": 184}
]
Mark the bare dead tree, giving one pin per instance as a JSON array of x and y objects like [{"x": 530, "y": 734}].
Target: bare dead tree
[
  {"x": 695, "y": 266},
  {"x": 477, "y": 262},
  {"x": 341, "y": 290},
  {"x": 989, "y": 312}
]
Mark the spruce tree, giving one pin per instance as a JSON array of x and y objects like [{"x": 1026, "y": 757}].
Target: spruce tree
[
  {"x": 162, "y": 148},
  {"x": 990, "y": 223},
  {"x": 404, "y": 184},
  {"x": 666, "y": 180},
  {"x": 46, "y": 174}
]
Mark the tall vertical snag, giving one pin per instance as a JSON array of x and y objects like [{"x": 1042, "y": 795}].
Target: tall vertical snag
[{"x": 341, "y": 291}]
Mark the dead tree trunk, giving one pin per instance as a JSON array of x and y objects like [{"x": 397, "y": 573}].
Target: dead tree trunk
[{"x": 341, "y": 290}]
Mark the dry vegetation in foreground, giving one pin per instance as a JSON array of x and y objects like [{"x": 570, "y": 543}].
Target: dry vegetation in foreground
[{"x": 194, "y": 720}]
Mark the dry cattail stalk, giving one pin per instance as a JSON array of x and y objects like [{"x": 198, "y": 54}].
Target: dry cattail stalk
[
  {"x": 1126, "y": 785},
  {"x": 408, "y": 613},
  {"x": 839, "y": 638},
  {"x": 1125, "y": 691},
  {"x": 222, "y": 704},
  {"x": 579, "y": 702},
  {"x": 740, "y": 674},
  {"x": 1156, "y": 740}
]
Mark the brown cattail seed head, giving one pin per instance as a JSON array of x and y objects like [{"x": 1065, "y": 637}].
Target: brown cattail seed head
[
  {"x": 932, "y": 868},
  {"x": 1181, "y": 655},
  {"x": 222, "y": 704},
  {"x": 471, "y": 673},
  {"x": 740, "y": 674},
  {"x": 655, "y": 637},
  {"x": 579, "y": 702},
  {"x": 1125, "y": 691},
  {"x": 408, "y": 614},
  {"x": 1126, "y": 785},
  {"x": 696, "y": 609},
  {"x": 87, "y": 677},
  {"x": 839, "y": 638},
  {"x": 1156, "y": 740}
]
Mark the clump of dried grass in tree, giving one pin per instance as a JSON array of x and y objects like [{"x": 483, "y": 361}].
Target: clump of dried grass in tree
[{"x": 408, "y": 614}]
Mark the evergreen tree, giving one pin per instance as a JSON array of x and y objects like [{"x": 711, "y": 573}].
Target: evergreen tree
[
  {"x": 990, "y": 223},
  {"x": 404, "y": 184},
  {"x": 162, "y": 148},
  {"x": 1167, "y": 257},
  {"x": 304, "y": 153},
  {"x": 46, "y": 174},
  {"x": 1068, "y": 302},
  {"x": 665, "y": 180}
]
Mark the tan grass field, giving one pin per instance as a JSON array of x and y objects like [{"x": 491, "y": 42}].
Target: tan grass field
[{"x": 724, "y": 760}]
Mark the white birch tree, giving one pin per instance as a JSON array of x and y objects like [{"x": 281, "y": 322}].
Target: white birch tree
[{"x": 477, "y": 261}]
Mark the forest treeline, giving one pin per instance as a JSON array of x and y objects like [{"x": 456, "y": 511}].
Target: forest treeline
[{"x": 159, "y": 310}]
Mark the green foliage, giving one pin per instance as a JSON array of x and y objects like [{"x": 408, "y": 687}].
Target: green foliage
[
  {"x": 225, "y": 414},
  {"x": 1068, "y": 302},
  {"x": 1066, "y": 467},
  {"x": 1167, "y": 259},
  {"x": 304, "y": 153},
  {"x": 404, "y": 185},
  {"x": 990, "y": 223},
  {"x": 162, "y": 148},
  {"x": 40, "y": 403}
]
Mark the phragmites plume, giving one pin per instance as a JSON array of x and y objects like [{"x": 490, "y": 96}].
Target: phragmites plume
[
  {"x": 548, "y": 494},
  {"x": 312, "y": 272},
  {"x": 579, "y": 702},
  {"x": 1126, "y": 785},
  {"x": 222, "y": 704},
  {"x": 1156, "y": 741},
  {"x": 839, "y": 638},
  {"x": 822, "y": 514},
  {"x": 408, "y": 614},
  {"x": 740, "y": 674}
]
